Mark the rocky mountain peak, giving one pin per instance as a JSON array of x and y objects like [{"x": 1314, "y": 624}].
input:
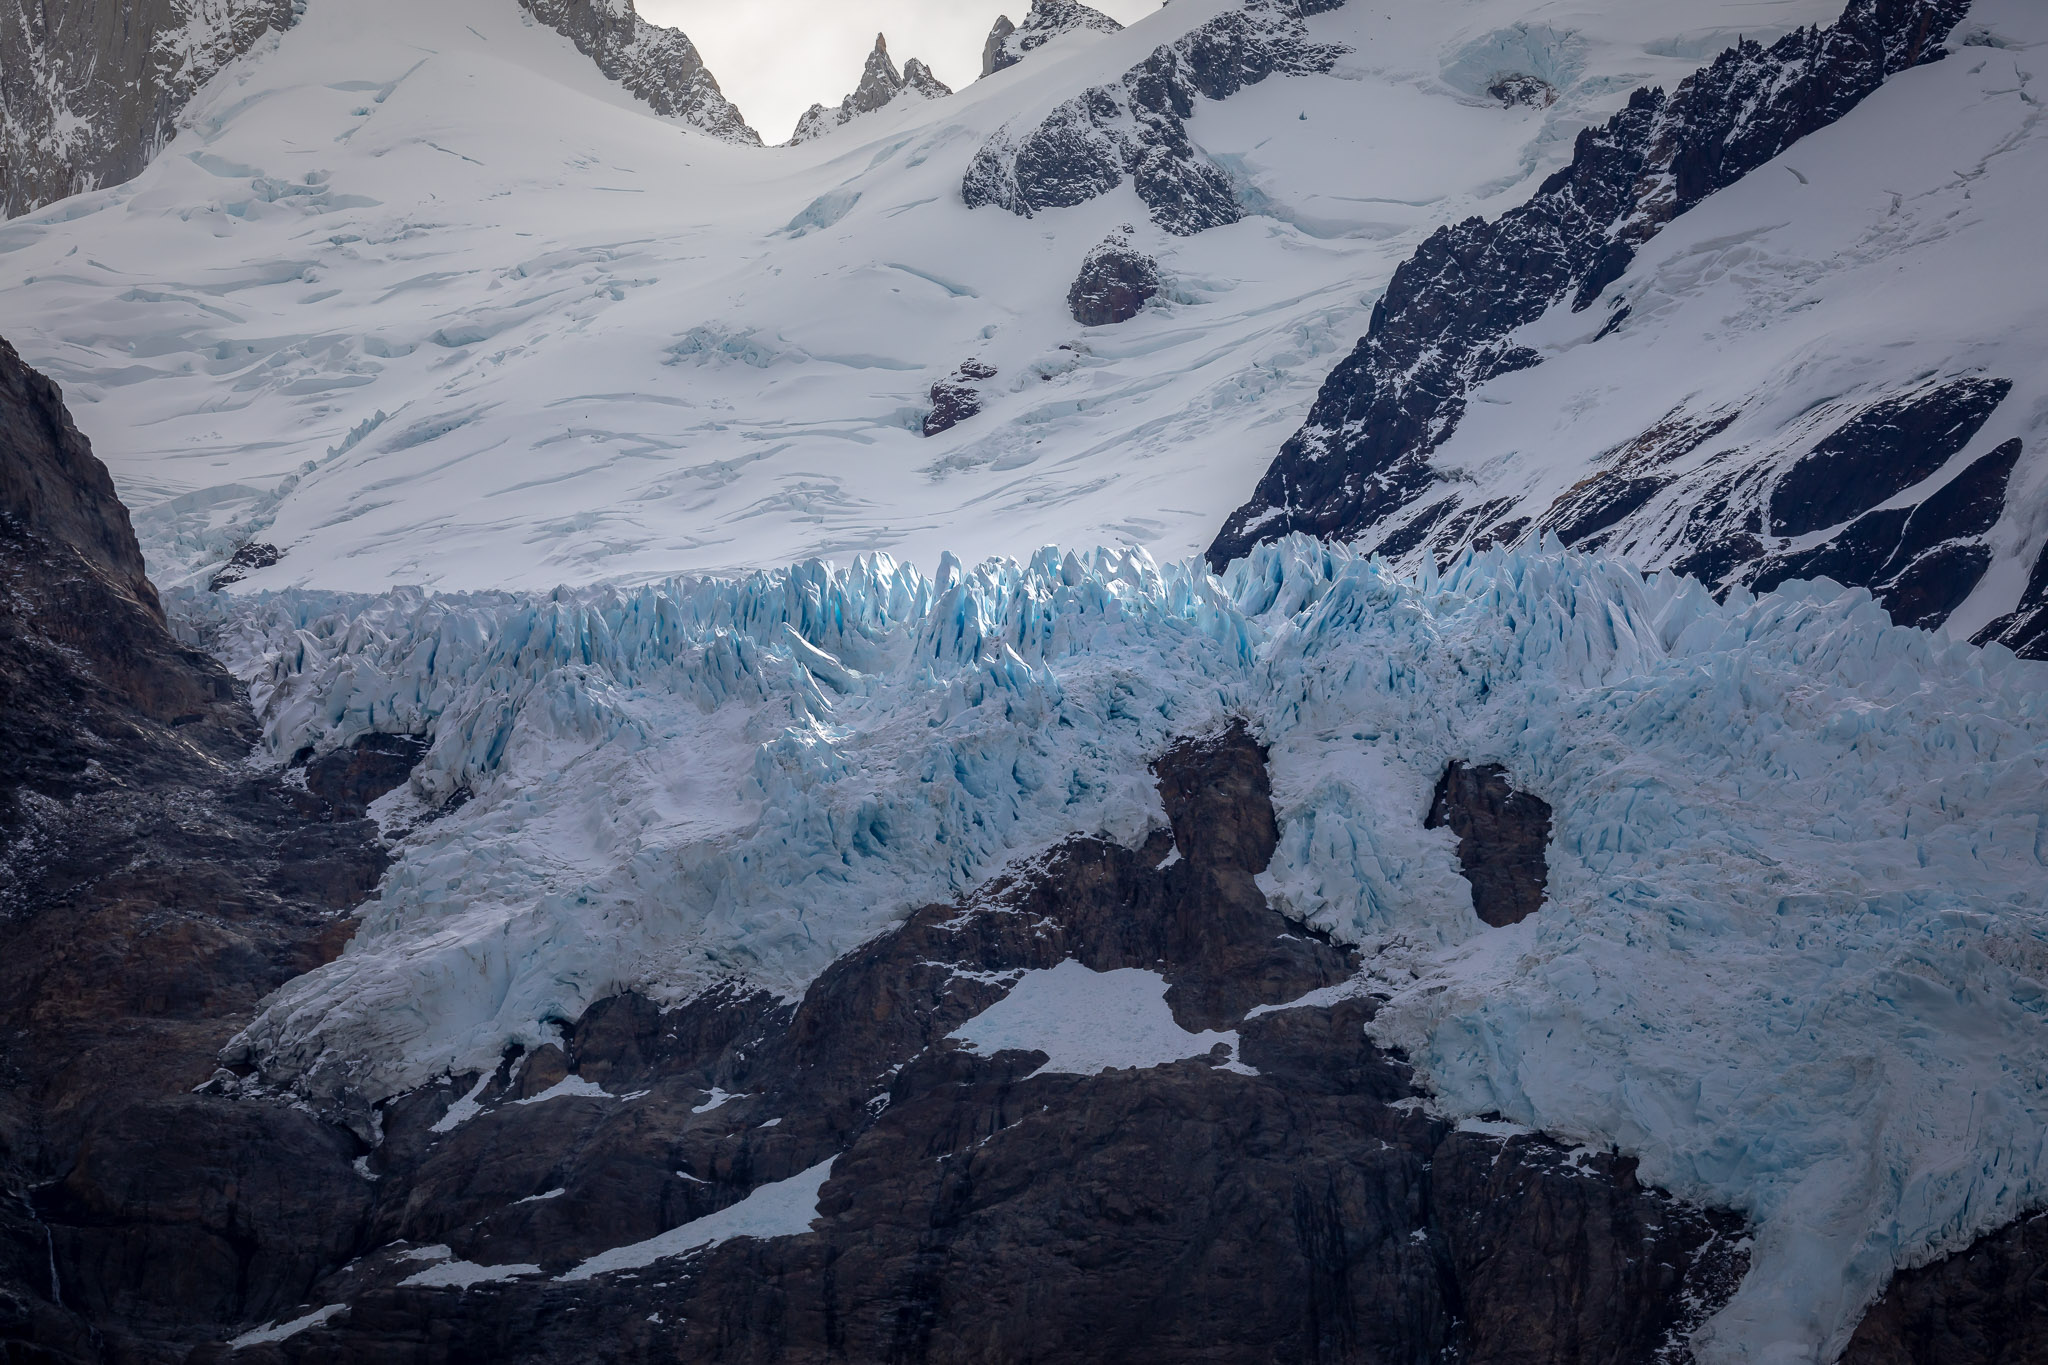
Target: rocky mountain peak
[
  {"x": 1048, "y": 19},
  {"x": 659, "y": 65},
  {"x": 880, "y": 84}
]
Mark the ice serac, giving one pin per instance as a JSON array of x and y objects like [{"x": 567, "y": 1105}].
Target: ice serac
[
  {"x": 1010, "y": 43},
  {"x": 89, "y": 93},
  {"x": 152, "y": 889},
  {"x": 1137, "y": 128},
  {"x": 880, "y": 84},
  {"x": 1447, "y": 320},
  {"x": 659, "y": 65}
]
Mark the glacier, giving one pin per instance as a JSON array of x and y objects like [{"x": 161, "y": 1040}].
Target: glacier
[{"x": 1793, "y": 958}]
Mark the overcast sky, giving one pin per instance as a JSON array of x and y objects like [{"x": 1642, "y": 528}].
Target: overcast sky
[{"x": 776, "y": 58}]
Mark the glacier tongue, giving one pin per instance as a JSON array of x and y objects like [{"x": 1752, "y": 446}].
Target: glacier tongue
[{"x": 1795, "y": 947}]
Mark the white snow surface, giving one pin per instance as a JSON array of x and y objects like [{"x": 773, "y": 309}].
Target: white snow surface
[
  {"x": 1795, "y": 951},
  {"x": 465, "y": 1274},
  {"x": 1087, "y": 1021},
  {"x": 782, "y": 1208},
  {"x": 421, "y": 298},
  {"x": 269, "y": 1334},
  {"x": 1898, "y": 246}
]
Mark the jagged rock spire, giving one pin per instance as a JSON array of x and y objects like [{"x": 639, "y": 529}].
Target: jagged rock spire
[{"x": 880, "y": 83}]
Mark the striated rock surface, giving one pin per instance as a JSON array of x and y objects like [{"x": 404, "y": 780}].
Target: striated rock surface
[
  {"x": 1137, "y": 128},
  {"x": 152, "y": 890},
  {"x": 660, "y": 65},
  {"x": 1116, "y": 281},
  {"x": 89, "y": 93},
  {"x": 1445, "y": 323},
  {"x": 880, "y": 83},
  {"x": 1010, "y": 43}
]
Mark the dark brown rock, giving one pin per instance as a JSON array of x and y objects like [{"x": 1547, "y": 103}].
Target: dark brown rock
[
  {"x": 957, "y": 397},
  {"x": 352, "y": 777},
  {"x": 1503, "y": 838},
  {"x": 1987, "y": 1305},
  {"x": 1116, "y": 282}
]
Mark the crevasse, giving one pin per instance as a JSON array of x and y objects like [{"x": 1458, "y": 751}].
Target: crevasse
[{"x": 1796, "y": 941}]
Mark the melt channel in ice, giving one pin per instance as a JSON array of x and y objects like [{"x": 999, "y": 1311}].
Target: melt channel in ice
[{"x": 1795, "y": 946}]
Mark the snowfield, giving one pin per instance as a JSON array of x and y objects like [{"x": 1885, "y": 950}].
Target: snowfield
[
  {"x": 420, "y": 298},
  {"x": 1795, "y": 950}
]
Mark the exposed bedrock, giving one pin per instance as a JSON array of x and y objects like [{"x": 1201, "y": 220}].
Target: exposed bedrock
[
  {"x": 152, "y": 889},
  {"x": 957, "y": 397},
  {"x": 1137, "y": 128},
  {"x": 1447, "y": 320},
  {"x": 89, "y": 93},
  {"x": 1046, "y": 20},
  {"x": 1277, "y": 1193},
  {"x": 1116, "y": 282},
  {"x": 1503, "y": 840},
  {"x": 1987, "y": 1305},
  {"x": 659, "y": 65}
]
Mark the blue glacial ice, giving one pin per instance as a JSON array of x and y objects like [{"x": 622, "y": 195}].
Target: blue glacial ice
[{"x": 1795, "y": 947}]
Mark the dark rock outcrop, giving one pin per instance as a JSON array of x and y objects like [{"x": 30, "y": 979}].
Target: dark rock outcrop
[
  {"x": 1503, "y": 840},
  {"x": 1987, "y": 1305},
  {"x": 1292, "y": 1203},
  {"x": 152, "y": 889},
  {"x": 957, "y": 397},
  {"x": 353, "y": 776},
  {"x": 1447, "y": 320},
  {"x": 661, "y": 66},
  {"x": 1116, "y": 282},
  {"x": 90, "y": 92},
  {"x": 1881, "y": 452},
  {"x": 244, "y": 561},
  {"x": 1010, "y": 43},
  {"x": 1138, "y": 127},
  {"x": 2025, "y": 629},
  {"x": 1513, "y": 87},
  {"x": 880, "y": 84}
]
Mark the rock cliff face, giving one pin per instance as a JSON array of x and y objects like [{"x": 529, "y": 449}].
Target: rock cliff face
[
  {"x": 151, "y": 891},
  {"x": 880, "y": 83},
  {"x": 1010, "y": 43},
  {"x": 1138, "y": 127},
  {"x": 1116, "y": 281},
  {"x": 1445, "y": 325},
  {"x": 1987, "y": 1305},
  {"x": 90, "y": 92},
  {"x": 660, "y": 65}
]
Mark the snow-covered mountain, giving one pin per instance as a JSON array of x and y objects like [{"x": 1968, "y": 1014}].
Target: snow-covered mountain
[
  {"x": 1426, "y": 840},
  {"x": 880, "y": 85}
]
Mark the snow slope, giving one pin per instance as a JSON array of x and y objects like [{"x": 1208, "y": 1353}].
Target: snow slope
[
  {"x": 419, "y": 297},
  {"x": 1796, "y": 955},
  {"x": 1899, "y": 245}
]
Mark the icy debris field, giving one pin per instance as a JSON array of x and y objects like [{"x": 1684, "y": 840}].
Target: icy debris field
[
  {"x": 1795, "y": 949},
  {"x": 419, "y": 297}
]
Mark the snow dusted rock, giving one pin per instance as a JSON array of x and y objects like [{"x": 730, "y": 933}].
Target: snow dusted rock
[
  {"x": 880, "y": 83},
  {"x": 660, "y": 65},
  {"x": 1980, "y": 1305},
  {"x": 1116, "y": 281},
  {"x": 958, "y": 397},
  {"x": 1450, "y": 317},
  {"x": 1009, "y": 43},
  {"x": 89, "y": 93},
  {"x": 1137, "y": 128}
]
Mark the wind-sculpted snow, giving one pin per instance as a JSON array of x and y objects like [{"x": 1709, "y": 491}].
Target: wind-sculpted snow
[{"x": 1794, "y": 949}]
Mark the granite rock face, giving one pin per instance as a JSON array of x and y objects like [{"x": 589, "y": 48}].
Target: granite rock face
[
  {"x": 659, "y": 65},
  {"x": 90, "y": 92},
  {"x": 1116, "y": 282},
  {"x": 1010, "y": 43},
  {"x": 1137, "y": 128},
  {"x": 1444, "y": 325},
  {"x": 880, "y": 83},
  {"x": 152, "y": 890}
]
